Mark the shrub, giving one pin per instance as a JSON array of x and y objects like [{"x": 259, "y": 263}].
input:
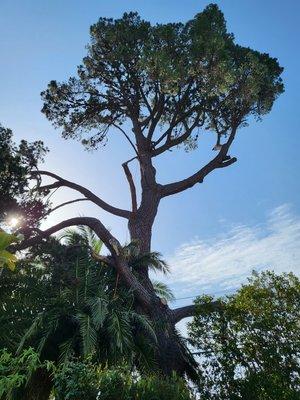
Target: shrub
[
  {"x": 15, "y": 371},
  {"x": 78, "y": 380}
]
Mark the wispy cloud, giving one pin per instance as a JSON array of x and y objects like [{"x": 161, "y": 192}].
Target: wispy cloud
[{"x": 221, "y": 264}]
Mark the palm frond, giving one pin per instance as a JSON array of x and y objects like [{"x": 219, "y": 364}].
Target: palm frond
[
  {"x": 151, "y": 260},
  {"x": 87, "y": 332},
  {"x": 143, "y": 322},
  {"x": 99, "y": 310},
  {"x": 120, "y": 331},
  {"x": 84, "y": 236},
  {"x": 145, "y": 354},
  {"x": 162, "y": 290},
  {"x": 31, "y": 331},
  {"x": 71, "y": 237},
  {"x": 66, "y": 350},
  {"x": 90, "y": 238},
  {"x": 50, "y": 320}
]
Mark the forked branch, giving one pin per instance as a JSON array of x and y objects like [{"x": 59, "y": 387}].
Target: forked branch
[
  {"x": 86, "y": 192},
  {"x": 220, "y": 161}
]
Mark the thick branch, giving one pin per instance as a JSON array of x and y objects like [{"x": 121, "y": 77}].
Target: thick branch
[
  {"x": 86, "y": 192},
  {"x": 190, "y": 311},
  {"x": 131, "y": 186},
  {"x": 101, "y": 231},
  {"x": 110, "y": 242},
  {"x": 183, "y": 312},
  {"x": 220, "y": 161}
]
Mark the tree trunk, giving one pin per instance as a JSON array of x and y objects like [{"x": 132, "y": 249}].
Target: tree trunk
[
  {"x": 38, "y": 388},
  {"x": 172, "y": 354}
]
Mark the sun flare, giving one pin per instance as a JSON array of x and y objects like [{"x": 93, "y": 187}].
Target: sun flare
[{"x": 13, "y": 222}]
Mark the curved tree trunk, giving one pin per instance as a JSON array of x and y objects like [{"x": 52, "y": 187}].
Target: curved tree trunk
[{"x": 172, "y": 355}]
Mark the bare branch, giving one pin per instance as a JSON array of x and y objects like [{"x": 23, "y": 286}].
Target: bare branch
[
  {"x": 189, "y": 311},
  {"x": 127, "y": 137},
  {"x": 169, "y": 143},
  {"x": 131, "y": 185},
  {"x": 220, "y": 161},
  {"x": 65, "y": 204},
  {"x": 183, "y": 312},
  {"x": 86, "y": 192}
]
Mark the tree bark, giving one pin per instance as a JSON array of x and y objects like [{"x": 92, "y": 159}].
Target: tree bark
[
  {"x": 38, "y": 388},
  {"x": 171, "y": 352}
]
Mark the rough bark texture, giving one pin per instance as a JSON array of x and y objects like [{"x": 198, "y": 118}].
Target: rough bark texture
[{"x": 171, "y": 353}]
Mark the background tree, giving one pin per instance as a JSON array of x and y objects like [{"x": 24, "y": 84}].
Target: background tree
[
  {"x": 159, "y": 86},
  {"x": 249, "y": 346},
  {"x": 17, "y": 202}
]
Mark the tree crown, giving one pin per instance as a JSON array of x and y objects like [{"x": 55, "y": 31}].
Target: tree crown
[
  {"x": 16, "y": 162},
  {"x": 167, "y": 79}
]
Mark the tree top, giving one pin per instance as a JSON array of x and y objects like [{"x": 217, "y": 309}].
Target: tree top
[{"x": 168, "y": 80}]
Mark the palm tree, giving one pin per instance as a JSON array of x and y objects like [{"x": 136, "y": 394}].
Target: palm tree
[
  {"x": 79, "y": 306},
  {"x": 93, "y": 313}
]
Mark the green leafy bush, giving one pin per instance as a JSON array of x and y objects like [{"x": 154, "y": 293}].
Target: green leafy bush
[
  {"x": 75, "y": 380},
  {"x": 249, "y": 344},
  {"x": 7, "y": 259},
  {"x": 79, "y": 380},
  {"x": 15, "y": 371},
  {"x": 155, "y": 387}
]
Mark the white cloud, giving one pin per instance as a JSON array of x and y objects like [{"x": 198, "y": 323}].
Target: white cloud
[{"x": 221, "y": 264}]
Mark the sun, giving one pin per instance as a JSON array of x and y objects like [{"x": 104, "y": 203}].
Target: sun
[{"x": 13, "y": 222}]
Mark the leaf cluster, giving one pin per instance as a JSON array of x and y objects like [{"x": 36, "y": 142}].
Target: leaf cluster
[
  {"x": 249, "y": 347},
  {"x": 175, "y": 75},
  {"x": 85, "y": 380},
  {"x": 16, "y": 163}
]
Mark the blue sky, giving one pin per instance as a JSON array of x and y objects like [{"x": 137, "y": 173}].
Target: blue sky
[{"x": 235, "y": 207}]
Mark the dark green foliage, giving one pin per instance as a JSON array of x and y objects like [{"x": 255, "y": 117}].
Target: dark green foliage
[
  {"x": 25, "y": 293},
  {"x": 16, "y": 371},
  {"x": 16, "y": 162},
  {"x": 249, "y": 348},
  {"x": 83, "y": 308},
  {"x": 77, "y": 380},
  {"x": 181, "y": 73},
  {"x": 155, "y": 387}
]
